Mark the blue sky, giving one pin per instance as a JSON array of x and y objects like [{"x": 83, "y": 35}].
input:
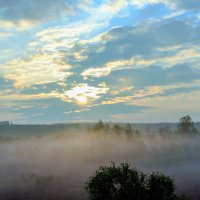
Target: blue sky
[{"x": 115, "y": 60}]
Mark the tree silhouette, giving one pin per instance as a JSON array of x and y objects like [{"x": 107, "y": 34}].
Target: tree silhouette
[
  {"x": 185, "y": 124},
  {"x": 117, "y": 129},
  {"x": 125, "y": 183},
  {"x": 128, "y": 130},
  {"x": 99, "y": 126}
]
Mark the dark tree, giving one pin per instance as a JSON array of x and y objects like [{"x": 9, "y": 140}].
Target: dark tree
[
  {"x": 99, "y": 126},
  {"x": 107, "y": 128},
  {"x": 126, "y": 183},
  {"x": 128, "y": 130},
  {"x": 117, "y": 129},
  {"x": 117, "y": 183},
  {"x": 185, "y": 124},
  {"x": 148, "y": 130},
  {"x": 161, "y": 187},
  {"x": 136, "y": 131},
  {"x": 165, "y": 130}
]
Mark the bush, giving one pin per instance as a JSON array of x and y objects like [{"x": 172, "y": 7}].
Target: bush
[{"x": 125, "y": 183}]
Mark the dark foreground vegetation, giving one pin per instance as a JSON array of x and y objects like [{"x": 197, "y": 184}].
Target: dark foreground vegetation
[{"x": 123, "y": 182}]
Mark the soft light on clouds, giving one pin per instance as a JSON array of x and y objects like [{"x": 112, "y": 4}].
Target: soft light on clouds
[
  {"x": 37, "y": 69},
  {"x": 83, "y": 92},
  {"x": 109, "y": 59}
]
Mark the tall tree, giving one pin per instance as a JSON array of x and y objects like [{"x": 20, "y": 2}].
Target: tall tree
[
  {"x": 185, "y": 125},
  {"x": 128, "y": 130},
  {"x": 99, "y": 126}
]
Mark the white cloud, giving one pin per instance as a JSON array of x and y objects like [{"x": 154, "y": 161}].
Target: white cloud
[
  {"x": 83, "y": 90},
  {"x": 48, "y": 61},
  {"x": 37, "y": 69}
]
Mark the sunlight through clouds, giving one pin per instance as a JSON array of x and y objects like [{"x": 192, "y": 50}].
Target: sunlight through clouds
[
  {"x": 97, "y": 56},
  {"x": 83, "y": 93}
]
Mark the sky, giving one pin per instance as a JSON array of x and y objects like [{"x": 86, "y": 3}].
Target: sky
[{"x": 84, "y": 60}]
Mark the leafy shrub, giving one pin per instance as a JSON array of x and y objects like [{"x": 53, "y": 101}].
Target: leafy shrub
[{"x": 125, "y": 183}]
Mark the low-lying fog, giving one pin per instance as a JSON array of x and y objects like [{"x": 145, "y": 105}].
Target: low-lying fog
[{"x": 57, "y": 166}]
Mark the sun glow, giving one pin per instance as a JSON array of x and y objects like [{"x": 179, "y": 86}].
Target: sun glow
[{"x": 82, "y": 99}]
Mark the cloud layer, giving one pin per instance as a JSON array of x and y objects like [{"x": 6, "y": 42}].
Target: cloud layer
[{"x": 87, "y": 60}]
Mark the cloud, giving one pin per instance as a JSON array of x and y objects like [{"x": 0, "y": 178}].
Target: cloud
[
  {"x": 144, "y": 40},
  {"x": 48, "y": 58},
  {"x": 163, "y": 43},
  {"x": 26, "y": 97},
  {"x": 36, "y": 69},
  {"x": 22, "y": 14},
  {"x": 180, "y": 56},
  {"x": 170, "y": 107},
  {"x": 141, "y": 97},
  {"x": 140, "y": 78},
  {"x": 107, "y": 9},
  {"x": 177, "y": 4},
  {"x": 19, "y": 25},
  {"x": 88, "y": 59},
  {"x": 5, "y": 34},
  {"x": 187, "y": 4},
  {"x": 83, "y": 90},
  {"x": 149, "y": 91},
  {"x": 49, "y": 55}
]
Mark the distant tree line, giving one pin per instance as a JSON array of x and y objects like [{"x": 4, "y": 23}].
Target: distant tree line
[
  {"x": 128, "y": 130},
  {"x": 184, "y": 126}
]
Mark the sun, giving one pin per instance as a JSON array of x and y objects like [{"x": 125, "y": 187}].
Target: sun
[{"x": 82, "y": 99}]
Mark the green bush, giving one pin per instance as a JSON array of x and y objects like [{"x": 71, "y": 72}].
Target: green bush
[{"x": 125, "y": 183}]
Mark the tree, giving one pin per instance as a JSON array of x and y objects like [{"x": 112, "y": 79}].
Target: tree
[
  {"x": 107, "y": 128},
  {"x": 99, "y": 126},
  {"x": 185, "y": 124},
  {"x": 148, "y": 130},
  {"x": 128, "y": 130},
  {"x": 137, "y": 132},
  {"x": 165, "y": 130},
  {"x": 117, "y": 129},
  {"x": 126, "y": 183},
  {"x": 115, "y": 182},
  {"x": 161, "y": 187}
]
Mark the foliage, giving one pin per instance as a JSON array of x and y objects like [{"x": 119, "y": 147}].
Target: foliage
[
  {"x": 185, "y": 124},
  {"x": 128, "y": 130},
  {"x": 165, "y": 130},
  {"x": 99, "y": 126},
  {"x": 117, "y": 129},
  {"x": 161, "y": 187},
  {"x": 123, "y": 182},
  {"x": 39, "y": 182}
]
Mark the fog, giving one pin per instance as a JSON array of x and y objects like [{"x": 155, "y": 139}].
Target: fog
[{"x": 57, "y": 166}]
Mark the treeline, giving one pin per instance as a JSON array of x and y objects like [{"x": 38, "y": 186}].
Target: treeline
[
  {"x": 184, "y": 126},
  {"x": 116, "y": 129}
]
